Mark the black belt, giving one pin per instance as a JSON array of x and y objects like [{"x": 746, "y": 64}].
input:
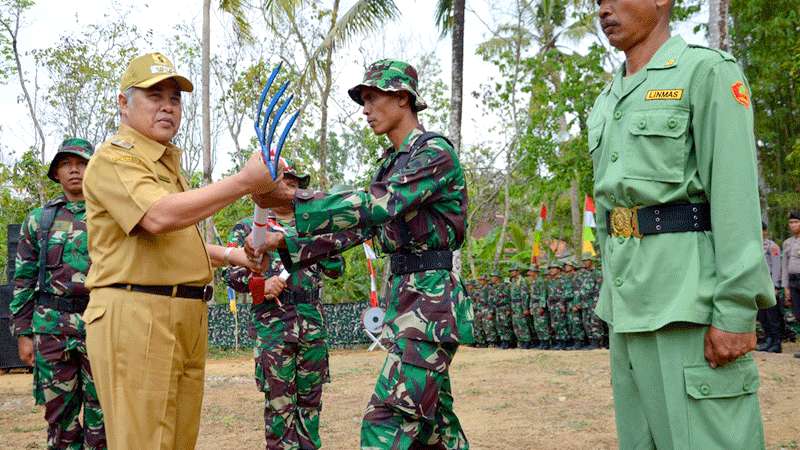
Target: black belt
[
  {"x": 76, "y": 304},
  {"x": 671, "y": 218},
  {"x": 286, "y": 298},
  {"x": 405, "y": 263},
  {"x": 181, "y": 291}
]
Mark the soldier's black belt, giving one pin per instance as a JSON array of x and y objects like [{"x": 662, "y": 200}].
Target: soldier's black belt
[
  {"x": 287, "y": 298},
  {"x": 76, "y": 304},
  {"x": 181, "y": 291},
  {"x": 671, "y": 218},
  {"x": 404, "y": 263}
]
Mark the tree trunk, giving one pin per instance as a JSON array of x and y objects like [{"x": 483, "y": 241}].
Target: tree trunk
[
  {"x": 501, "y": 243},
  {"x": 323, "y": 109},
  {"x": 718, "y": 24},
  {"x": 575, "y": 209},
  {"x": 457, "y": 97},
  {"x": 206, "y": 106}
]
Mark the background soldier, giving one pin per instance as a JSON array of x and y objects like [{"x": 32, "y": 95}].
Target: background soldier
[
  {"x": 772, "y": 319},
  {"x": 291, "y": 354},
  {"x": 790, "y": 269},
  {"x": 49, "y": 298},
  {"x": 555, "y": 305},
  {"x": 519, "y": 309},
  {"x": 574, "y": 307},
  {"x": 502, "y": 316},
  {"x": 676, "y": 189},
  {"x": 478, "y": 331},
  {"x": 537, "y": 306},
  {"x": 588, "y": 290},
  {"x": 488, "y": 308}
]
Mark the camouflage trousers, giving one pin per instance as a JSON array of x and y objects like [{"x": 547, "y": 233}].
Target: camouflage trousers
[
  {"x": 62, "y": 382},
  {"x": 489, "y": 326},
  {"x": 558, "y": 319},
  {"x": 477, "y": 326},
  {"x": 520, "y": 322},
  {"x": 541, "y": 323},
  {"x": 575, "y": 322},
  {"x": 592, "y": 325},
  {"x": 505, "y": 327},
  {"x": 412, "y": 406},
  {"x": 291, "y": 375}
]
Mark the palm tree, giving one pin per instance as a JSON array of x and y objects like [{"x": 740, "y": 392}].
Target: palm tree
[{"x": 363, "y": 17}]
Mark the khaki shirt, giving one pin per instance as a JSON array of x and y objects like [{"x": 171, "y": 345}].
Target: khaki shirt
[
  {"x": 680, "y": 130},
  {"x": 126, "y": 176},
  {"x": 791, "y": 259}
]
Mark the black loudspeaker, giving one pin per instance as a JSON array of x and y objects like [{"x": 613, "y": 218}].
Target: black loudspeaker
[
  {"x": 13, "y": 239},
  {"x": 9, "y": 357}
]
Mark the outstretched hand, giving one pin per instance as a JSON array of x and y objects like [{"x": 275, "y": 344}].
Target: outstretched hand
[
  {"x": 272, "y": 242},
  {"x": 722, "y": 347},
  {"x": 281, "y": 196}
]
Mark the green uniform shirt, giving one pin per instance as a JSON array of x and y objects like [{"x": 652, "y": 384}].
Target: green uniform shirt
[{"x": 680, "y": 130}]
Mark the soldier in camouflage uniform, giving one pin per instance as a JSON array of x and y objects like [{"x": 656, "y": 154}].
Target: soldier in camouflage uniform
[
  {"x": 291, "y": 355},
  {"x": 473, "y": 291},
  {"x": 588, "y": 290},
  {"x": 488, "y": 312},
  {"x": 574, "y": 306},
  {"x": 556, "y": 298},
  {"x": 416, "y": 208},
  {"x": 519, "y": 308},
  {"x": 47, "y": 306},
  {"x": 537, "y": 305},
  {"x": 502, "y": 306}
]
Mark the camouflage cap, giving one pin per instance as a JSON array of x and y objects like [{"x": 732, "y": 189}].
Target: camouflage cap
[
  {"x": 150, "y": 69},
  {"x": 293, "y": 170},
  {"x": 533, "y": 268},
  {"x": 390, "y": 75},
  {"x": 70, "y": 146},
  {"x": 555, "y": 264},
  {"x": 569, "y": 262}
]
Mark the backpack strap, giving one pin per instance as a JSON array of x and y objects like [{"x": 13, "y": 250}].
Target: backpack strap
[
  {"x": 49, "y": 213},
  {"x": 400, "y": 164}
]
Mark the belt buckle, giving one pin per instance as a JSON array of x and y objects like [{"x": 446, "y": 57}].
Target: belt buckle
[
  {"x": 208, "y": 292},
  {"x": 625, "y": 222}
]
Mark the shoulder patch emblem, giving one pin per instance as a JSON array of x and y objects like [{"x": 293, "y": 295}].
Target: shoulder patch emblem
[
  {"x": 122, "y": 144},
  {"x": 740, "y": 93},
  {"x": 664, "y": 94}
]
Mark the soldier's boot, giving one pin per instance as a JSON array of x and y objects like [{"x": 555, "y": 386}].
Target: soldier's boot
[
  {"x": 560, "y": 345},
  {"x": 569, "y": 344},
  {"x": 525, "y": 345},
  {"x": 546, "y": 345},
  {"x": 579, "y": 345},
  {"x": 504, "y": 345},
  {"x": 594, "y": 344},
  {"x": 764, "y": 345},
  {"x": 797, "y": 355},
  {"x": 775, "y": 346}
]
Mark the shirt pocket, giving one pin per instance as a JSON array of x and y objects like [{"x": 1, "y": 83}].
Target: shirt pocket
[{"x": 657, "y": 146}]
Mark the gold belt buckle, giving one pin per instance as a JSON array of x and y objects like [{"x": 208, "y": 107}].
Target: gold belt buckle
[{"x": 625, "y": 222}]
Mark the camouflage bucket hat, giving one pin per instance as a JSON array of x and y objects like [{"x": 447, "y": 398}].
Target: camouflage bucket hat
[
  {"x": 390, "y": 75},
  {"x": 293, "y": 170},
  {"x": 70, "y": 146}
]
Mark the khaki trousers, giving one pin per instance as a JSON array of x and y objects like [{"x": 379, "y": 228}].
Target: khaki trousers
[{"x": 148, "y": 355}]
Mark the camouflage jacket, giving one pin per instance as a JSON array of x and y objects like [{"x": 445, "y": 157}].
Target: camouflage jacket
[
  {"x": 67, "y": 266},
  {"x": 535, "y": 293},
  {"x": 427, "y": 199},
  {"x": 555, "y": 290},
  {"x": 569, "y": 291},
  {"x": 586, "y": 284},
  {"x": 516, "y": 290},
  {"x": 308, "y": 280}
]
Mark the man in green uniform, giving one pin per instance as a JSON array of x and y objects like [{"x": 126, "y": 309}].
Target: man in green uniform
[
  {"x": 49, "y": 298},
  {"x": 572, "y": 301},
  {"x": 488, "y": 309},
  {"x": 502, "y": 310},
  {"x": 519, "y": 308},
  {"x": 556, "y": 296},
  {"x": 291, "y": 355},
  {"x": 473, "y": 290},
  {"x": 588, "y": 287},
  {"x": 416, "y": 208},
  {"x": 671, "y": 141},
  {"x": 537, "y": 306}
]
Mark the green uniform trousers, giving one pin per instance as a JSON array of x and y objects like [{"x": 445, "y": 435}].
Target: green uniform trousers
[{"x": 666, "y": 396}]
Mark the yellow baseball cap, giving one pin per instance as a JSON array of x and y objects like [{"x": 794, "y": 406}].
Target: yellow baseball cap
[{"x": 146, "y": 70}]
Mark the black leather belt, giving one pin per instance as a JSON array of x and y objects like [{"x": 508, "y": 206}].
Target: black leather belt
[
  {"x": 76, "y": 304},
  {"x": 180, "y": 291},
  {"x": 287, "y": 298},
  {"x": 404, "y": 263},
  {"x": 671, "y": 218}
]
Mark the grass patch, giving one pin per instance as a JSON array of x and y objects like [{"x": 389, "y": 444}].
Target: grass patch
[{"x": 229, "y": 353}]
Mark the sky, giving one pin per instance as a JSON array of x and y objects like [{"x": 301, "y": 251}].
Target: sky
[{"x": 412, "y": 34}]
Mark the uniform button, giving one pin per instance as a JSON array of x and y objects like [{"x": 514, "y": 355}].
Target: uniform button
[
  {"x": 613, "y": 198},
  {"x": 642, "y": 124},
  {"x": 621, "y": 240},
  {"x": 306, "y": 216},
  {"x": 705, "y": 389},
  {"x": 614, "y": 157},
  {"x": 618, "y": 282},
  {"x": 746, "y": 386},
  {"x": 618, "y": 115},
  {"x": 672, "y": 123}
]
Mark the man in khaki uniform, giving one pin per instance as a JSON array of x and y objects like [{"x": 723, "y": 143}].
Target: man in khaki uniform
[
  {"x": 790, "y": 267},
  {"x": 147, "y": 320},
  {"x": 671, "y": 140}
]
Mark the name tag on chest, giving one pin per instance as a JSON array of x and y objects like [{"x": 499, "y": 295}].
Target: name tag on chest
[{"x": 664, "y": 94}]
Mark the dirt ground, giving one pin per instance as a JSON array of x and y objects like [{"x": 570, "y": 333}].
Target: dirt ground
[{"x": 506, "y": 399}]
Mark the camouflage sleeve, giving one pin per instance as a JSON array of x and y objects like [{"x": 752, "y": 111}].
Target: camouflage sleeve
[
  {"x": 238, "y": 278},
  {"x": 431, "y": 169},
  {"x": 303, "y": 251},
  {"x": 25, "y": 277},
  {"x": 332, "y": 267}
]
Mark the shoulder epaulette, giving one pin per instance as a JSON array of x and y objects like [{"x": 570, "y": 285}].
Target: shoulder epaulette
[
  {"x": 725, "y": 55},
  {"x": 122, "y": 143}
]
